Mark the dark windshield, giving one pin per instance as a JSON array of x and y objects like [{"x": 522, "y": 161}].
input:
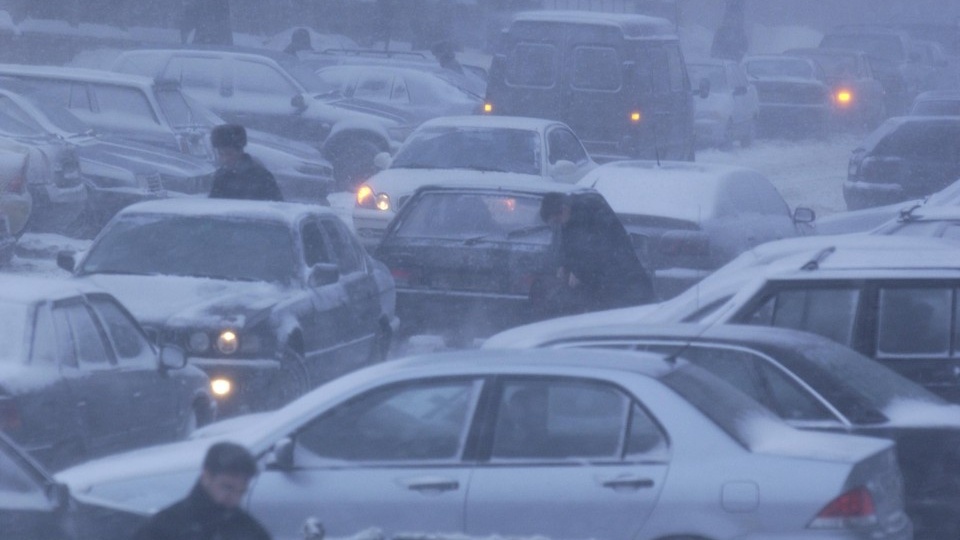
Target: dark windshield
[
  {"x": 887, "y": 47},
  {"x": 462, "y": 215},
  {"x": 485, "y": 149},
  {"x": 220, "y": 248},
  {"x": 936, "y": 142},
  {"x": 835, "y": 65}
]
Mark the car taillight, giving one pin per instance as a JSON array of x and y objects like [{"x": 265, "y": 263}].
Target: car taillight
[
  {"x": 684, "y": 244},
  {"x": 854, "y": 508},
  {"x": 405, "y": 277},
  {"x": 9, "y": 415}
]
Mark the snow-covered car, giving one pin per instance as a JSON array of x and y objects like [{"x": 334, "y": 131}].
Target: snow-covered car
[
  {"x": 731, "y": 110},
  {"x": 32, "y": 503},
  {"x": 158, "y": 114},
  {"x": 258, "y": 92},
  {"x": 80, "y": 379},
  {"x": 16, "y": 203},
  {"x": 867, "y": 219},
  {"x": 450, "y": 148},
  {"x": 794, "y": 97},
  {"x": 907, "y": 157},
  {"x": 269, "y": 299},
  {"x": 688, "y": 219},
  {"x": 936, "y": 103},
  {"x": 857, "y": 95},
  {"x": 929, "y": 221},
  {"x": 814, "y": 384},
  {"x": 542, "y": 443}
]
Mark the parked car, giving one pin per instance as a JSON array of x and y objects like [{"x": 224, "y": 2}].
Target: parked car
[
  {"x": 256, "y": 91},
  {"x": 80, "y": 379},
  {"x": 732, "y": 109},
  {"x": 867, "y": 219},
  {"x": 794, "y": 97},
  {"x": 686, "y": 220},
  {"x": 928, "y": 221},
  {"x": 16, "y": 203},
  {"x": 268, "y": 298},
  {"x": 936, "y": 103},
  {"x": 618, "y": 80},
  {"x": 905, "y": 158},
  {"x": 575, "y": 444},
  {"x": 114, "y": 172},
  {"x": 157, "y": 113},
  {"x": 858, "y": 97},
  {"x": 814, "y": 384},
  {"x": 441, "y": 149},
  {"x": 32, "y": 503}
]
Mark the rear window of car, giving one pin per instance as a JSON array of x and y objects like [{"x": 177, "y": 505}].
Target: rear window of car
[
  {"x": 922, "y": 140},
  {"x": 464, "y": 215},
  {"x": 532, "y": 64}
]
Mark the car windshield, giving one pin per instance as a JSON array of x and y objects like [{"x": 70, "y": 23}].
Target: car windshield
[
  {"x": 937, "y": 107},
  {"x": 483, "y": 149},
  {"x": 213, "y": 247},
  {"x": 178, "y": 110},
  {"x": 13, "y": 335},
  {"x": 887, "y": 47},
  {"x": 474, "y": 217},
  {"x": 936, "y": 142},
  {"x": 715, "y": 74},
  {"x": 836, "y": 65},
  {"x": 779, "y": 67}
]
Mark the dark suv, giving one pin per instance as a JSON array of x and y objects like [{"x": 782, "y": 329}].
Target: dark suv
[{"x": 618, "y": 80}]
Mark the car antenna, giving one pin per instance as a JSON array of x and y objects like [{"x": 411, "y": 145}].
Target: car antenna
[{"x": 814, "y": 263}]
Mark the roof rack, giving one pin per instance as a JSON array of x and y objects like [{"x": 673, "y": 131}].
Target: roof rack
[
  {"x": 814, "y": 263},
  {"x": 375, "y": 53}
]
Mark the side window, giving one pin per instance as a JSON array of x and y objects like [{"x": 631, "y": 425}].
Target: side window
[
  {"x": 426, "y": 421},
  {"x": 195, "y": 72},
  {"x": 374, "y": 88},
  {"x": 596, "y": 68},
  {"x": 254, "y": 78},
  {"x": 675, "y": 68},
  {"x": 752, "y": 194},
  {"x": 127, "y": 340},
  {"x": 79, "y": 97},
  {"x": 61, "y": 326},
  {"x": 560, "y": 419},
  {"x": 348, "y": 257},
  {"x": 532, "y": 64},
  {"x": 829, "y": 312},
  {"x": 400, "y": 93},
  {"x": 45, "y": 343},
  {"x": 314, "y": 246},
  {"x": 128, "y": 105},
  {"x": 91, "y": 352},
  {"x": 564, "y": 145},
  {"x": 914, "y": 321}
]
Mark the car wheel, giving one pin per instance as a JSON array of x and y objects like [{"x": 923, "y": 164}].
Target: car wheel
[
  {"x": 353, "y": 162},
  {"x": 289, "y": 382}
]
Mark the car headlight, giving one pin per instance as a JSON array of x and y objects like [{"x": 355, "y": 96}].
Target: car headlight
[
  {"x": 366, "y": 198},
  {"x": 221, "y": 386},
  {"x": 228, "y": 342},
  {"x": 198, "y": 342},
  {"x": 382, "y": 201}
]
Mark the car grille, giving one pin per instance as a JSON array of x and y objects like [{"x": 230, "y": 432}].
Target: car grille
[
  {"x": 154, "y": 182},
  {"x": 784, "y": 93}
]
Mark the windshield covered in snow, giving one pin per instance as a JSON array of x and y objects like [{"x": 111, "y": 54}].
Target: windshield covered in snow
[
  {"x": 482, "y": 149},
  {"x": 13, "y": 320},
  {"x": 461, "y": 215},
  {"x": 218, "y": 248}
]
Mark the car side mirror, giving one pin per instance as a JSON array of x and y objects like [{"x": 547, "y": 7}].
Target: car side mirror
[
  {"x": 67, "y": 260},
  {"x": 299, "y": 103},
  {"x": 704, "y": 90},
  {"x": 324, "y": 274},
  {"x": 382, "y": 160},
  {"x": 280, "y": 457},
  {"x": 740, "y": 91},
  {"x": 802, "y": 214},
  {"x": 172, "y": 357},
  {"x": 563, "y": 168}
]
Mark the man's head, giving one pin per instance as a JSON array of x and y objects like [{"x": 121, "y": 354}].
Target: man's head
[
  {"x": 301, "y": 38},
  {"x": 228, "y": 141},
  {"x": 555, "y": 209},
  {"x": 227, "y": 471}
]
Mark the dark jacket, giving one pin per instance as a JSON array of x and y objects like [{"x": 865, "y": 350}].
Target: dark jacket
[
  {"x": 596, "y": 249},
  {"x": 248, "y": 179},
  {"x": 197, "y": 517}
]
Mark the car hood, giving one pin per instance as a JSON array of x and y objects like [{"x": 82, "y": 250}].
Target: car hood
[
  {"x": 374, "y": 109},
  {"x": 400, "y": 182},
  {"x": 189, "y": 302},
  {"x": 142, "y": 159}
]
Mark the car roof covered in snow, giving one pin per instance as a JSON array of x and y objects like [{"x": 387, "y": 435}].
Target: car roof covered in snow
[
  {"x": 75, "y": 74},
  {"x": 935, "y": 95},
  {"x": 280, "y": 212},
  {"x": 632, "y": 26},
  {"x": 511, "y": 182},
  {"x": 28, "y": 290},
  {"x": 490, "y": 122}
]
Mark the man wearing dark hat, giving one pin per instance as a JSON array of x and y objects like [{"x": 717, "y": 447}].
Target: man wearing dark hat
[
  {"x": 212, "y": 509},
  {"x": 239, "y": 175}
]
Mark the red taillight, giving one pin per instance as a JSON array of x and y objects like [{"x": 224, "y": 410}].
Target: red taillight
[
  {"x": 9, "y": 415},
  {"x": 854, "y": 508}
]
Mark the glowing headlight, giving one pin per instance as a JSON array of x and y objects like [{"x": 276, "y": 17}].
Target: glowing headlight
[
  {"x": 221, "y": 387},
  {"x": 199, "y": 342},
  {"x": 365, "y": 197},
  {"x": 844, "y": 97},
  {"x": 227, "y": 342},
  {"x": 383, "y": 202}
]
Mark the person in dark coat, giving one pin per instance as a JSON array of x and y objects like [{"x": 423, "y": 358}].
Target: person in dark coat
[
  {"x": 208, "y": 20},
  {"x": 446, "y": 56},
  {"x": 212, "y": 509},
  {"x": 598, "y": 266},
  {"x": 239, "y": 175},
  {"x": 299, "y": 41}
]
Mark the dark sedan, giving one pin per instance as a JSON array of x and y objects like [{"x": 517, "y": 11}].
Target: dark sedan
[
  {"x": 32, "y": 504},
  {"x": 814, "y": 384},
  {"x": 269, "y": 299},
  {"x": 905, "y": 158},
  {"x": 794, "y": 97},
  {"x": 79, "y": 378}
]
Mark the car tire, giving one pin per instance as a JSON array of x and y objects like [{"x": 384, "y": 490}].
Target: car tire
[
  {"x": 289, "y": 382},
  {"x": 352, "y": 159}
]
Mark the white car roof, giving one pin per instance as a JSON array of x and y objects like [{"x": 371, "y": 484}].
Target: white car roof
[
  {"x": 76, "y": 74},
  {"x": 491, "y": 122},
  {"x": 632, "y": 25},
  {"x": 281, "y": 212},
  {"x": 28, "y": 290}
]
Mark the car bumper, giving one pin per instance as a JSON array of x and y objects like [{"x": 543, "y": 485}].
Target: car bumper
[
  {"x": 249, "y": 380},
  {"x": 470, "y": 314},
  {"x": 371, "y": 225},
  {"x": 859, "y": 195}
]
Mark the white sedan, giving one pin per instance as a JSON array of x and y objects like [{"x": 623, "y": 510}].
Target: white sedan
[
  {"x": 441, "y": 150},
  {"x": 561, "y": 444}
]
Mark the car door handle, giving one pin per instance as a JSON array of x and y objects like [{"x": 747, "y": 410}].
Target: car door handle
[
  {"x": 434, "y": 484},
  {"x": 628, "y": 483}
]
